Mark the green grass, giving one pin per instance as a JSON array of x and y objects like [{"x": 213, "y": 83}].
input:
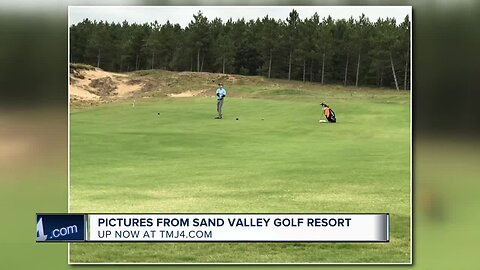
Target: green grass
[{"x": 126, "y": 159}]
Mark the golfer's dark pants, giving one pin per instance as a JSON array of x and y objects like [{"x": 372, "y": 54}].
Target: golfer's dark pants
[{"x": 219, "y": 107}]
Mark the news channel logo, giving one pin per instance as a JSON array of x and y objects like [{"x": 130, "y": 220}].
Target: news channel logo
[{"x": 60, "y": 227}]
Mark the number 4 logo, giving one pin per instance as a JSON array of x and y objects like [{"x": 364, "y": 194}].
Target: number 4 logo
[{"x": 40, "y": 234}]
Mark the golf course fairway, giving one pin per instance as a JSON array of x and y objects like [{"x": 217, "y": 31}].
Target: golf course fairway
[{"x": 169, "y": 155}]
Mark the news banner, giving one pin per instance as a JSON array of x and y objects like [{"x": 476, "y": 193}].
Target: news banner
[{"x": 213, "y": 227}]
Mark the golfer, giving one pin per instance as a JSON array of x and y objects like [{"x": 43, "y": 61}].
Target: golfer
[
  {"x": 221, "y": 94},
  {"x": 329, "y": 114}
]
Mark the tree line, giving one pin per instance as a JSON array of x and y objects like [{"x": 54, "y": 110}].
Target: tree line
[{"x": 344, "y": 51}]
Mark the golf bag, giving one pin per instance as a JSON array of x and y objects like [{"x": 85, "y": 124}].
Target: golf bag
[{"x": 331, "y": 116}]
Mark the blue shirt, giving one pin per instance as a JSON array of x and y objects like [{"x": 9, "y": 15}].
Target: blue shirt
[{"x": 221, "y": 93}]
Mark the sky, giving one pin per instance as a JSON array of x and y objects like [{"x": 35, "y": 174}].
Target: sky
[{"x": 184, "y": 14}]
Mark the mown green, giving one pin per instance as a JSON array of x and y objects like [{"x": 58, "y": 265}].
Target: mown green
[{"x": 168, "y": 155}]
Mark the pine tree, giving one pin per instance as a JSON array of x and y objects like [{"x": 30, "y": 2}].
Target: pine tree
[
  {"x": 293, "y": 21},
  {"x": 199, "y": 38}
]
